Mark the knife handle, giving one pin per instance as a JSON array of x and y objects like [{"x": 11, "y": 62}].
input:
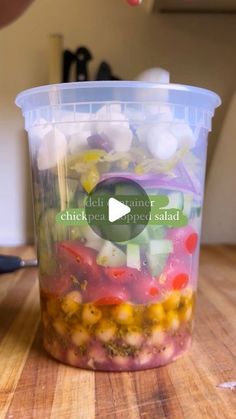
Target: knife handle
[{"x": 9, "y": 263}]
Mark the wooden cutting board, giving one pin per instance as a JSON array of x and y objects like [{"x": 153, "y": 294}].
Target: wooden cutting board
[{"x": 32, "y": 385}]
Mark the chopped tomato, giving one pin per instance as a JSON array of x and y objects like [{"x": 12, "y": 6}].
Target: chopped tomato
[
  {"x": 109, "y": 301},
  {"x": 77, "y": 259},
  {"x": 145, "y": 290},
  {"x": 191, "y": 242},
  {"x": 105, "y": 293},
  {"x": 180, "y": 281},
  {"x": 184, "y": 240},
  {"x": 122, "y": 275},
  {"x": 81, "y": 253}
]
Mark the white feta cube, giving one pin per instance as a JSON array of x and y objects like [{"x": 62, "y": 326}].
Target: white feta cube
[{"x": 161, "y": 142}]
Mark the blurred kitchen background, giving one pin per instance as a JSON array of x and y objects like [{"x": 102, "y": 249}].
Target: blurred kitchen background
[{"x": 194, "y": 40}]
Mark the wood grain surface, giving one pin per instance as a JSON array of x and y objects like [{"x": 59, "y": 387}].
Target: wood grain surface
[{"x": 33, "y": 385}]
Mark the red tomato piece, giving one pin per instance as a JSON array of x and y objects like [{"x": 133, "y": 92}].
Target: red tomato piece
[
  {"x": 191, "y": 242},
  {"x": 180, "y": 281},
  {"x": 75, "y": 258},
  {"x": 109, "y": 301},
  {"x": 105, "y": 293},
  {"x": 134, "y": 2},
  {"x": 184, "y": 239},
  {"x": 145, "y": 290},
  {"x": 122, "y": 275},
  {"x": 82, "y": 254}
]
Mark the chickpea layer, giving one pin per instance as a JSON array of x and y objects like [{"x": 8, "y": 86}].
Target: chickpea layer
[{"x": 122, "y": 332}]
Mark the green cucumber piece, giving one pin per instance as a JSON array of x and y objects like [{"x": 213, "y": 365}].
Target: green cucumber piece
[
  {"x": 156, "y": 232},
  {"x": 160, "y": 247},
  {"x": 88, "y": 233},
  {"x": 133, "y": 256},
  {"x": 156, "y": 263},
  {"x": 188, "y": 202},
  {"x": 111, "y": 255},
  {"x": 141, "y": 239},
  {"x": 196, "y": 211},
  {"x": 117, "y": 232},
  {"x": 125, "y": 190},
  {"x": 176, "y": 200}
]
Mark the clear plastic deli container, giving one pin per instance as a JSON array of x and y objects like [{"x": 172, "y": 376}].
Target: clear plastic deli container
[{"x": 108, "y": 304}]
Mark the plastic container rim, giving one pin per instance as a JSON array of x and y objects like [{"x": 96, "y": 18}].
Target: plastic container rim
[{"x": 118, "y": 85}]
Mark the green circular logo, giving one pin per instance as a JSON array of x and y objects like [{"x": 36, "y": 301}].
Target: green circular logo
[{"x": 118, "y": 209}]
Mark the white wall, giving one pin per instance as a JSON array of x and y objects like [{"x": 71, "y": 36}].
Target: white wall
[{"x": 197, "y": 49}]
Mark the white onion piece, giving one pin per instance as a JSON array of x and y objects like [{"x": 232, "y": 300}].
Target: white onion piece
[{"x": 52, "y": 149}]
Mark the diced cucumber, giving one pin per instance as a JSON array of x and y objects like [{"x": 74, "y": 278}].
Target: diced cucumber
[
  {"x": 92, "y": 240},
  {"x": 133, "y": 256},
  {"x": 188, "y": 201},
  {"x": 160, "y": 247},
  {"x": 156, "y": 263},
  {"x": 156, "y": 231},
  {"x": 88, "y": 234},
  {"x": 176, "y": 200},
  {"x": 196, "y": 211},
  {"x": 141, "y": 239},
  {"x": 111, "y": 255},
  {"x": 117, "y": 232},
  {"x": 125, "y": 190}
]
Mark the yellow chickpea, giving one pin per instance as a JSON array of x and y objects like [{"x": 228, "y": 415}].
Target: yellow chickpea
[
  {"x": 172, "y": 302},
  {"x": 60, "y": 327},
  {"x": 91, "y": 314},
  {"x": 79, "y": 335},
  {"x": 157, "y": 335},
  {"x": 106, "y": 330},
  {"x": 138, "y": 315},
  {"x": 186, "y": 297},
  {"x": 123, "y": 314},
  {"x": 134, "y": 336},
  {"x": 71, "y": 302},
  {"x": 172, "y": 320},
  {"x": 155, "y": 312},
  {"x": 185, "y": 313}
]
